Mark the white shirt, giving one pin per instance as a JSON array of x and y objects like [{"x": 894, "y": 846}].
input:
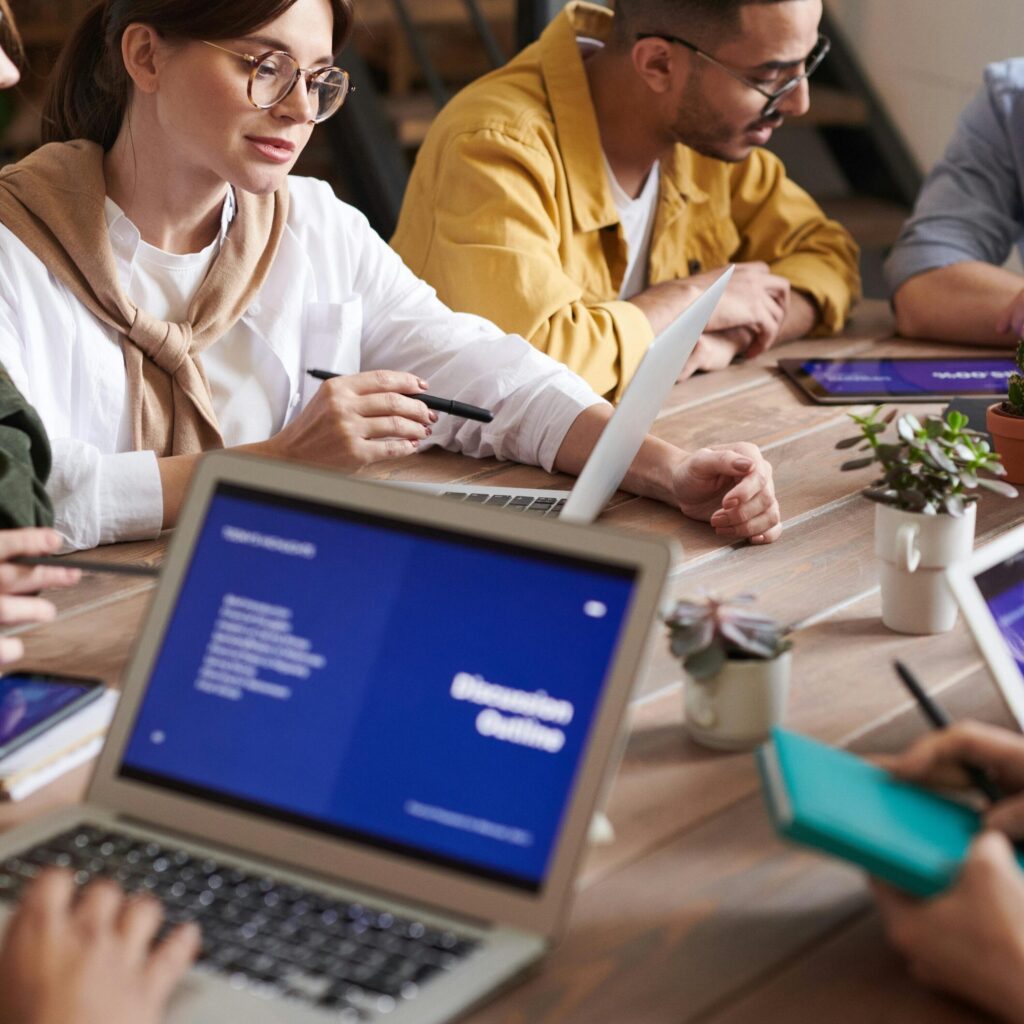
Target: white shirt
[
  {"x": 336, "y": 298},
  {"x": 637, "y": 217},
  {"x": 242, "y": 372}
]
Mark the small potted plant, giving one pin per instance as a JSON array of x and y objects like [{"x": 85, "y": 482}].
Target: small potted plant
[
  {"x": 932, "y": 472},
  {"x": 736, "y": 664},
  {"x": 1005, "y": 422}
]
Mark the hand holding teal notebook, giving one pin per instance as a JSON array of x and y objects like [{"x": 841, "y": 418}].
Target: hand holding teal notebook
[{"x": 839, "y": 803}]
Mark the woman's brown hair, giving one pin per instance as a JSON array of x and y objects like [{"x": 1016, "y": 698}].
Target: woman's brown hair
[{"x": 88, "y": 95}]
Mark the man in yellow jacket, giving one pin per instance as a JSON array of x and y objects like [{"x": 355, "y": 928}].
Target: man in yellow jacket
[{"x": 583, "y": 194}]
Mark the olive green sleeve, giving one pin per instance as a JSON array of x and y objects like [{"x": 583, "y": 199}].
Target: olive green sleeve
[{"x": 24, "y": 461}]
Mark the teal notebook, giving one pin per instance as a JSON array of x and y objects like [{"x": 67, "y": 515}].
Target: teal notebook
[{"x": 839, "y": 803}]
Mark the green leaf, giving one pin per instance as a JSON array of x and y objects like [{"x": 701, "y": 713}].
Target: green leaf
[
  {"x": 953, "y": 505},
  {"x": 905, "y": 430},
  {"x": 849, "y": 442},
  {"x": 893, "y": 413},
  {"x": 956, "y": 420},
  {"x": 881, "y": 495},
  {"x": 999, "y": 487}
]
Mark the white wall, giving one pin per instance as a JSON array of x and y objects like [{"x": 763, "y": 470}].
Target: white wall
[{"x": 925, "y": 57}]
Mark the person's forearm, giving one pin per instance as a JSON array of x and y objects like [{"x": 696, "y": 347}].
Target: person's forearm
[
  {"x": 802, "y": 317},
  {"x": 650, "y": 474},
  {"x": 961, "y": 302},
  {"x": 662, "y": 303},
  {"x": 176, "y": 474}
]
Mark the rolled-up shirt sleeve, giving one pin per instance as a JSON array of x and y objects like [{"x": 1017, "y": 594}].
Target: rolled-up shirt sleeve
[
  {"x": 535, "y": 399},
  {"x": 970, "y": 207},
  {"x": 102, "y": 499},
  {"x": 97, "y": 498}
]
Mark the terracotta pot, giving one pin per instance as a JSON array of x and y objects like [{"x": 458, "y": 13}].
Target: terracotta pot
[
  {"x": 914, "y": 551},
  {"x": 736, "y": 709},
  {"x": 1007, "y": 432}
]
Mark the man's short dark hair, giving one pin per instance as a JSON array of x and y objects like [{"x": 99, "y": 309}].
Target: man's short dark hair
[{"x": 714, "y": 17}]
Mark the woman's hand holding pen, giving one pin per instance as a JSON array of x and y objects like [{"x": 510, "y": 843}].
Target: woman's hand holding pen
[
  {"x": 18, "y": 583},
  {"x": 938, "y": 759},
  {"x": 356, "y": 420},
  {"x": 970, "y": 939}
]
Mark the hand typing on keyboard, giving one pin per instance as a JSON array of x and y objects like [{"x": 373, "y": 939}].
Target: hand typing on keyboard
[{"x": 89, "y": 960}]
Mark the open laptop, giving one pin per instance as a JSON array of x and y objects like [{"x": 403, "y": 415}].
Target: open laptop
[
  {"x": 361, "y": 740},
  {"x": 989, "y": 587},
  {"x": 625, "y": 432}
]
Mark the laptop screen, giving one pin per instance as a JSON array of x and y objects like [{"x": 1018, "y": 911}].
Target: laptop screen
[
  {"x": 400, "y": 686},
  {"x": 1002, "y": 587}
]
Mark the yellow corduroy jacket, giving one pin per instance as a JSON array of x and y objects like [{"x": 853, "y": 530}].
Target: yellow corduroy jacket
[{"x": 509, "y": 215}]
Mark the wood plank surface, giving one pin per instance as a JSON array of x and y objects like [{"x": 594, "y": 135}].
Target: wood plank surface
[{"x": 696, "y": 912}]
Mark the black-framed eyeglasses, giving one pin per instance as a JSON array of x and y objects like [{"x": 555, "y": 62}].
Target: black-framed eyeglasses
[
  {"x": 274, "y": 75},
  {"x": 811, "y": 63}
]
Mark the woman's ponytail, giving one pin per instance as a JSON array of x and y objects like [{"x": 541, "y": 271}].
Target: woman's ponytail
[{"x": 88, "y": 93}]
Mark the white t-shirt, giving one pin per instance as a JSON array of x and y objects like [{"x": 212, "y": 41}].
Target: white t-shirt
[
  {"x": 242, "y": 373},
  {"x": 636, "y": 215}
]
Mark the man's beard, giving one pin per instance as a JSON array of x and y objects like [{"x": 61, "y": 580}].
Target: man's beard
[{"x": 701, "y": 127}]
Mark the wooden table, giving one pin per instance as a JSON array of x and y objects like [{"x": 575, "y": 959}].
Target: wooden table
[{"x": 696, "y": 912}]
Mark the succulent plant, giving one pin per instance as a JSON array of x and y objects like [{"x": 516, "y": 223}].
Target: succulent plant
[
  {"x": 935, "y": 466},
  {"x": 705, "y": 633},
  {"x": 1015, "y": 386}
]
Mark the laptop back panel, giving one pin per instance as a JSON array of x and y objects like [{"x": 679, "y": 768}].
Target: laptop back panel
[
  {"x": 354, "y": 682},
  {"x": 639, "y": 407}
]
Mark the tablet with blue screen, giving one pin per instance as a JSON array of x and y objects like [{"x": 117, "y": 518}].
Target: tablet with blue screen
[{"x": 886, "y": 379}]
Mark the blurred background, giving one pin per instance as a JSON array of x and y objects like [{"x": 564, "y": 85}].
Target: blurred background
[{"x": 883, "y": 104}]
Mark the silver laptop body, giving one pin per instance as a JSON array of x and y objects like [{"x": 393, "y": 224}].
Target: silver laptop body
[
  {"x": 349, "y": 746},
  {"x": 622, "y": 437}
]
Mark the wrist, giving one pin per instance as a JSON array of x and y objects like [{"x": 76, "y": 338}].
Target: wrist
[{"x": 654, "y": 470}]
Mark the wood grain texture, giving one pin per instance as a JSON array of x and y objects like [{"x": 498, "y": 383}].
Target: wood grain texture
[{"x": 696, "y": 912}]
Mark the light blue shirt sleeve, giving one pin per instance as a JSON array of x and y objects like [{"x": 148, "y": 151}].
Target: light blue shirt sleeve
[{"x": 970, "y": 207}]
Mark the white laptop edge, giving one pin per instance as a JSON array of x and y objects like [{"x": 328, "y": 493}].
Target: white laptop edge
[
  {"x": 612, "y": 455},
  {"x": 961, "y": 577},
  {"x": 639, "y": 406},
  {"x": 347, "y": 863}
]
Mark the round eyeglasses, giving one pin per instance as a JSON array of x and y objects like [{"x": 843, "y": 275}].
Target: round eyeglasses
[
  {"x": 275, "y": 74},
  {"x": 790, "y": 82}
]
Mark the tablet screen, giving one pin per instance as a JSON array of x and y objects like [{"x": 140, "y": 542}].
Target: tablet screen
[
  {"x": 1002, "y": 587},
  {"x": 881, "y": 379}
]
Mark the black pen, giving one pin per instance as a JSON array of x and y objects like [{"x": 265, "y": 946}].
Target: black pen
[
  {"x": 88, "y": 565},
  {"x": 940, "y": 720},
  {"x": 448, "y": 405}
]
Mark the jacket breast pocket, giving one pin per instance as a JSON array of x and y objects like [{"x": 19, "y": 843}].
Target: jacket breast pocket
[
  {"x": 331, "y": 340},
  {"x": 713, "y": 241}
]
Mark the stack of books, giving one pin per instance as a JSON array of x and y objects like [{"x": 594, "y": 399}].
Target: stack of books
[{"x": 67, "y": 745}]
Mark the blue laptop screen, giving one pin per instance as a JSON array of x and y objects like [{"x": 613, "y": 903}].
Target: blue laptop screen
[
  {"x": 1002, "y": 587},
  {"x": 405, "y": 687}
]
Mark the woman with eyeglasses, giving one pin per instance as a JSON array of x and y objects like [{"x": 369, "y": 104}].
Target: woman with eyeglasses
[{"x": 165, "y": 286}]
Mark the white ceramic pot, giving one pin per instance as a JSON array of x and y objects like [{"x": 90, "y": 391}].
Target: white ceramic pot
[
  {"x": 914, "y": 551},
  {"x": 736, "y": 709}
]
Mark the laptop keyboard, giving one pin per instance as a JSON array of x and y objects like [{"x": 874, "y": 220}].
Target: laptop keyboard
[
  {"x": 281, "y": 939},
  {"x": 519, "y": 503}
]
